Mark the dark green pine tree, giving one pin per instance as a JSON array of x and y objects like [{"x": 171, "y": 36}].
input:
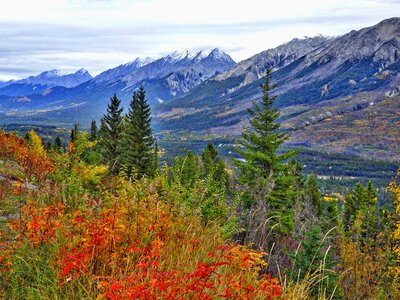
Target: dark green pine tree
[
  {"x": 110, "y": 133},
  {"x": 47, "y": 145},
  {"x": 214, "y": 165},
  {"x": 314, "y": 193},
  {"x": 137, "y": 147},
  {"x": 361, "y": 203},
  {"x": 27, "y": 137},
  {"x": 93, "y": 131},
  {"x": 370, "y": 222},
  {"x": 58, "y": 144},
  {"x": 74, "y": 132},
  {"x": 209, "y": 157},
  {"x": 354, "y": 201},
  {"x": 262, "y": 140},
  {"x": 371, "y": 195},
  {"x": 262, "y": 170}
]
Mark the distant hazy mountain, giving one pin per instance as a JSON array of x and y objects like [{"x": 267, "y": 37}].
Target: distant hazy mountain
[
  {"x": 43, "y": 81},
  {"x": 58, "y": 78},
  {"x": 163, "y": 78}
]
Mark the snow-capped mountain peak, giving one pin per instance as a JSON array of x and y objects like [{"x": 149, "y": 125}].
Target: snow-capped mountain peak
[
  {"x": 124, "y": 70},
  {"x": 217, "y": 54},
  {"x": 59, "y": 73},
  {"x": 140, "y": 62},
  {"x": 52, "y": 73},
  {"x": 181, "y": 55},
  {"x": 202, "y": 54}
]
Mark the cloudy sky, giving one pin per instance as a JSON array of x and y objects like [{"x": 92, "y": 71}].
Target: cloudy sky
[{"x": 99, "y": 34}]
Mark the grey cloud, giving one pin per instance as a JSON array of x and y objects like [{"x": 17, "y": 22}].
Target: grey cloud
[
  {"x": 30, "y": 49},
  {"x": 27, "y": 49}
]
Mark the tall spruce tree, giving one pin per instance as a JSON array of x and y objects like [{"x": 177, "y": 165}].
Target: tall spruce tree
[
  {"x": 214, "y": 165},
  {"x": 58, "y": 144},
  {"x": 93, "y": 131},
  {"x": 209, "y": 157},
  {"x": 137, "y": 147},
  {"x": 267, "y": 180},
  {"x": 74, "y": 133},
  {"x": 110, "y": 132},
  {"x": 262, "y": 140},
  {"x": 314, "y": 193}
]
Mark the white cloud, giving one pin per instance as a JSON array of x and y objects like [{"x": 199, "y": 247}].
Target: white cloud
[{"x": 99, "y": 34}]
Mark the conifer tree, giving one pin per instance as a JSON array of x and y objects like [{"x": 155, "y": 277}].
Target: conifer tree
[
  {"x": 361, "y": 205},
  {"x": 137, "y": 152},
  {"x": 262, "y": 170},
  {"x": 314, "y": 193},
  {"x": 214, "y": 165},
  {"x": 74, "y": 132},
  {"x": 209, "y": 157},
  {"x": 110, "y": 133},
  {"x": 57, "y": 144},
  {"x": 262, "y": 140},
  {"x": 93, "y": 131},
  {"x": 27, "y": 137},
  {"x": 47, "y": 145},
  {"x": 371, "y": 195}
]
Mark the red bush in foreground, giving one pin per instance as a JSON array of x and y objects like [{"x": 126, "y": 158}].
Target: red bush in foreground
[{"x": 142, "y": 250}]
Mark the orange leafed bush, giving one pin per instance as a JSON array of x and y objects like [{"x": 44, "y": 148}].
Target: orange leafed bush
[
  {"x": 144, "y": 249},
  {"x": 35, "y": 163}
]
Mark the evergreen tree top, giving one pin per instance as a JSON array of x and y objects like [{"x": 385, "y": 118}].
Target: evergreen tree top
[{"x": 262, "y": 139}]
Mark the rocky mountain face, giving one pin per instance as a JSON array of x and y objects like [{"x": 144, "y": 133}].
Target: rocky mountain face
[
  {"x": 255, "y": 67},
  {"x": 322, "y": 69}
]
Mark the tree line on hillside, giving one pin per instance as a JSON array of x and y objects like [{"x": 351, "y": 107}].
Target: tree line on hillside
[{"x": 332, "y": 247}]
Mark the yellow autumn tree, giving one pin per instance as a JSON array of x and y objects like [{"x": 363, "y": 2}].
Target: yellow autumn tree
[{"x": 36, "y": 144}]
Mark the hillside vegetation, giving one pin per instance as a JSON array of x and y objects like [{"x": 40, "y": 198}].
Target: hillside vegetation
[{"x": 102, "y": 219}]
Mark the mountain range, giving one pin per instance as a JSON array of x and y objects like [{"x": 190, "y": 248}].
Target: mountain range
[
  {"x": 339, "y": 94},
  {"x": 164, "y": 79},
  {"x": 43, "y": 81}
]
